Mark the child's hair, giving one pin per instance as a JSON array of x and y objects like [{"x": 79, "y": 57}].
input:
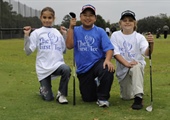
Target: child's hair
[
  {"x": 135, "y": 27},
  {"x": 48, "y": 9}
]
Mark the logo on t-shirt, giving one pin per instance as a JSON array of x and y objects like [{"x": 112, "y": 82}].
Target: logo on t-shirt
[
  {"x": 87, "y": 44},
  {"x": 126, "y": 50},
  {"x": 50, "y": 42}
]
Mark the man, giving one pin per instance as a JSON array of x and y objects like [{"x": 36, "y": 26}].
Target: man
[{"x": 165, "y": 30}]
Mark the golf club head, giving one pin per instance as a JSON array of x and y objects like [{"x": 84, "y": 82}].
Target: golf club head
[
  {"x": 73, "y": 15},
  {"x": 149, "y": 108}
]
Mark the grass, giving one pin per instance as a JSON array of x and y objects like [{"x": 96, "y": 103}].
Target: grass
[{"x": 19, "y": 99}]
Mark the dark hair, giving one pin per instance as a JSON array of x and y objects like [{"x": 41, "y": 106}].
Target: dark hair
[{"x": 48, "y": 9}]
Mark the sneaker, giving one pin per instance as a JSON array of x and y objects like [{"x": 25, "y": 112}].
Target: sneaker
[
  {"x": 103, "y": 103},
  {"x": 61, "y": 99},
  {"x": 137, "y": 105}
]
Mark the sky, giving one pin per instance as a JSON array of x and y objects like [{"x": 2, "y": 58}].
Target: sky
[{"x": 110, "y": 10}]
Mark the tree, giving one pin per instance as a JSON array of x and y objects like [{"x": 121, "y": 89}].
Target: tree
[
  {"x": 100, "y": 22},
  {"x": 10, "y": 19},
  {"x": 66, "y": 21},
  {"x": 152, "y": 23},
  {"x": 6, "y": 14}
]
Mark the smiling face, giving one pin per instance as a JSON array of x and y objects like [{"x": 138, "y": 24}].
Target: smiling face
[
  {"x": 87, "y": 18},
  {"x": 47, "y": 18},
  {"x": 128, "y": 25}
]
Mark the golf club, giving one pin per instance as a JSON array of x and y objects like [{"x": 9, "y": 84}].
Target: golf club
[
  {"x": 14, "y": 29},
  {"x": 74, "y": 82},
  {"x": 73, "y": 15},
  {"x": 149, "y": 108}
]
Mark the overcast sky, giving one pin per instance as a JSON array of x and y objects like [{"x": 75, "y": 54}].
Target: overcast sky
[{"x": 108, "y": 9}]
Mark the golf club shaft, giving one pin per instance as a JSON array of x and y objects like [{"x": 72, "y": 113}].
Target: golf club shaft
[
  {"x": 73, "y": 15},
  {"x": 74, "y": 82},
  {"x": 150, "y": 72}
]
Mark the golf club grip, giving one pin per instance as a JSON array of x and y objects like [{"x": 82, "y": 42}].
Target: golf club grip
[{"x": 149, "y": 50}]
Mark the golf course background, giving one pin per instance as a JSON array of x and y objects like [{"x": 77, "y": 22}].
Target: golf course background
[{"x": 19, "y": 88}]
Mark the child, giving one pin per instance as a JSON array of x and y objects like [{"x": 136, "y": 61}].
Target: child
[
  {"x": 130, "y": 47},
  {"x": 93, "y": 52},
  {"x": 50, "y": 46}
]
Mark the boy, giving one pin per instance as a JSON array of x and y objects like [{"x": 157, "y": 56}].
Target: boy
[
  {"x": 130, "y": 47},
  {"x": 92, "y": 52}
]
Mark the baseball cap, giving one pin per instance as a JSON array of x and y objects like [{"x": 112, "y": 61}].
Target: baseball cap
[
  {"x": 128, "y": 13},
  {"x": 88, "y": 6}
]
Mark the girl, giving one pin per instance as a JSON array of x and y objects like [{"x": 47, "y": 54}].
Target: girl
[{"x": 50, "y": 46}]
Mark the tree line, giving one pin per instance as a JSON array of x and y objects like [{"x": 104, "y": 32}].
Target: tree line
[
  {"x": 147, "y": 24},
  {"x": 10, "y": 19}
]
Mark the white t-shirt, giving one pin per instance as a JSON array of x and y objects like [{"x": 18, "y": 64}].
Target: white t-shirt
[
  {"x": 130, "y": 47},
  {"x": 50, "y": 46},
  {"x": 108, "y": 30}
]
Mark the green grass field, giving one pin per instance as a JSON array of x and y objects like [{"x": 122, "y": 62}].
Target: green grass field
[{"x": 19, "y": 87}]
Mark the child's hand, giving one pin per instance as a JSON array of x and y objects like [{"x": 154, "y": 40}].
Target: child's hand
[
  {"x": 63, "y": 30},
  {"x": 150, "y": 38},
  {"x": 27, "y": 30},
  {"x": 72, "y": 23}
]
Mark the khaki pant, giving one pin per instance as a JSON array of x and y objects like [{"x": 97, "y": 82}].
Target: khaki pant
[{"x": 132, "y": 84}]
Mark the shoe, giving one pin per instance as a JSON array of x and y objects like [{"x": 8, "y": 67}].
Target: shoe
[
  {"x": 137, "y": 105},
  {"x": 103, "y": 103},
  {"x": 61, "y": 99}
]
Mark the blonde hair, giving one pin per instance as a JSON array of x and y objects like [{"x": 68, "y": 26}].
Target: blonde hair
[{"x": 135, "y": 25}]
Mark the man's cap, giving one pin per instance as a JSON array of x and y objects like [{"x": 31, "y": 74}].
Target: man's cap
[
  {"x": 88, "y": 6},
  {"x": 128, "y": 13}
]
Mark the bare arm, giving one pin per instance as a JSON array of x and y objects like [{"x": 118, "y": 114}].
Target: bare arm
[
  {"x": 108, "y": 62},
  {"x": 150, "y": 39},
  {"x": 69, "y": 39},
  {"x": 70, "y": 34},
  {"x": 124, "y": 62}
]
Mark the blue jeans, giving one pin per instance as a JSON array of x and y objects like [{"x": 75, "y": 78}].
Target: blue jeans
[
  {"x": 46, "y": 88},
  {"x": 88, "y": 88}
]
